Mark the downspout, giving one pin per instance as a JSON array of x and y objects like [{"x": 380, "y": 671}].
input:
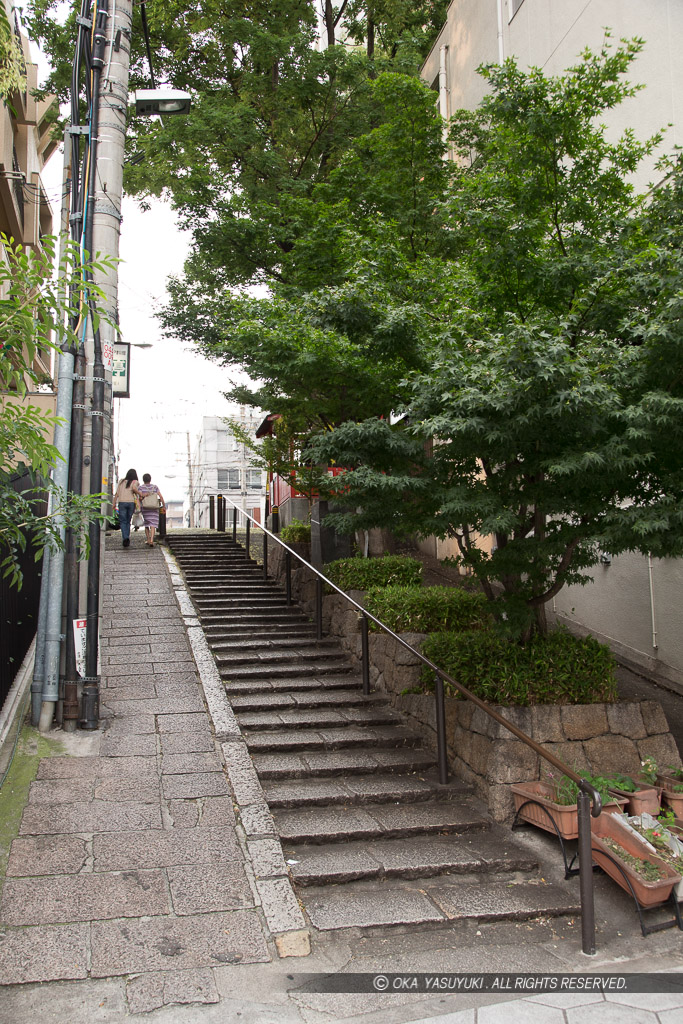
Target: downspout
[
  {"x": 443, "y": 93},
  {"x": 652, "y": 603},
  {"x": 501, "y": 48}
]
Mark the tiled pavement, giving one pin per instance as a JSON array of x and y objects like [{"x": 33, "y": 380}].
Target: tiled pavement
[{"x": 135, "y": 888}]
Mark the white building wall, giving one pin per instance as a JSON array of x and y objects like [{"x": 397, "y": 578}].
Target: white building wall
[
  {"x": 216, "y": 454},
  {"x": 627, "y": 595}
]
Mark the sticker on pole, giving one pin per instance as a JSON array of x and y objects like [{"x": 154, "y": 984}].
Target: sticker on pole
[
  {"x": 79, "y": 645},
  {"x": 108, "y": 355}
]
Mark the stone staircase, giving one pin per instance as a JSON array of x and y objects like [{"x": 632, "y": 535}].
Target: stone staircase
[{"x": 371, "y": 838}]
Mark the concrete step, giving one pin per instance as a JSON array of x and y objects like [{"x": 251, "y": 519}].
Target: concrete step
[
  {"x": 341, "y": 738},
  {"x": 339, "y": 824},
  {"x": 281, "y": 672},
  {"x": 277, "y": 642},
  {"x": 300, "y": 718},
  {"x": 281, "y": 765},
  {"x": 488, "y": 852},
  {"x": 313, "y": 684},
  {"x": 305, "y": 700},
  {"x": 440, "y": 903},
  {"x": 358, "y": 789},
  {"x": 260, "y": 634},
  {"x": 269, "y": 617},
  {"x": 298, "y": 652}
]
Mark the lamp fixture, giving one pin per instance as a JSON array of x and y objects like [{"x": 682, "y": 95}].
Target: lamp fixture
[{"x": 162, "y": 101}]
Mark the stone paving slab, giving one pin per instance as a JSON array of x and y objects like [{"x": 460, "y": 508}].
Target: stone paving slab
[
  {"x": 186, "y": 743},
  {"x": 204, "y": 888},
  {"x": 181, "y": 764},
  {"x": 43, "y": 953},
  {"x": 163, "y": 943},
  {"x": 139, "y": 744},
  {"x": 127, "y": 788},
  {"x": 168, "y": 848},
  {"x": 93, "y": 767},
  {"x": 121, "y": 688},
  {"x": 183, "y": 723},
  {"x": 57, "y": 899},
  {"x": 61, "y": 791},
  {"x": 46, "y": 855},
  {"x": 194, "y": 785},
  {"x": 203, "y": 812},
  {"x": 99, "y": 816}
]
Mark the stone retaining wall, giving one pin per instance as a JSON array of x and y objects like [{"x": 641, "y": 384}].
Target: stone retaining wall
[{"x": 602, "y": 738}]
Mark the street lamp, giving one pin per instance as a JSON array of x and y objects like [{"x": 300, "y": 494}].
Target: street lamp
[{"x": 162, "y": 101}]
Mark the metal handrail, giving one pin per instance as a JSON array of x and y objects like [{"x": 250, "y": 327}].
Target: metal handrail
[{"x": 587, "y": 795}]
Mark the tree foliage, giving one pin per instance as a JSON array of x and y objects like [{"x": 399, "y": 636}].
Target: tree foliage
[
  {"x": 33, "y": 319},
  {"x": 549, "y": 420}
]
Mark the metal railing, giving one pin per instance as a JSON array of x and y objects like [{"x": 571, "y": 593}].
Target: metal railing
[{"x": 587, "y": 793}]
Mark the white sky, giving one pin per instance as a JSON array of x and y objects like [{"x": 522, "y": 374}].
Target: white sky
[{"x": 172, "y": 387}]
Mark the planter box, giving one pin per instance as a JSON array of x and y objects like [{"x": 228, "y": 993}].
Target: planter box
[
  {"x": 566, "y": 816},
  {"x": 647, "y": 798},
  {"x": 647, "y": 893},
  {"x": 675, "y": 801}
]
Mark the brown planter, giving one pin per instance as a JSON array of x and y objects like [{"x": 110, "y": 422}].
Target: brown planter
[
  {"x": 647, "y": 893},
  {"x": 675, "y": 801},
  {"x": 566, "y": 816},
  {"x": 646, "y": 799}
]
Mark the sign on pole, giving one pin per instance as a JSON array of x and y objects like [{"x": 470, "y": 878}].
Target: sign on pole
[
  {"x": 120, "y": 374},
  {"x": 79, "y": 645}
]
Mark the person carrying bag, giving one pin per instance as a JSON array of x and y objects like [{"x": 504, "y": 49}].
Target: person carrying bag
[
  {"x": 151, "y": 500},
  {"x": 126, "y": 499}
]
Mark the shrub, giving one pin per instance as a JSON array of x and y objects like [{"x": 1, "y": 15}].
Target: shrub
[
  {"x": 296, "y": 532},
  {"x": 364, "y": 573},
  {"x": 427, "y": 609},
  {"x": 554, "y": 669}
]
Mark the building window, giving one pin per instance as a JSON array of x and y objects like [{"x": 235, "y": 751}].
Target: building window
[
  {"x": 254, "y": 479},
  {"x": 228, "y": 479}
]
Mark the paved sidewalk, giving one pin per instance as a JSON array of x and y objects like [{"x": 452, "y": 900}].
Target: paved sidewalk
[{"x": 146, "y": 879}]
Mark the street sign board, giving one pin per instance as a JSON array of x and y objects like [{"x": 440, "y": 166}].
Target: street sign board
[{"x": 120, "y": 375}]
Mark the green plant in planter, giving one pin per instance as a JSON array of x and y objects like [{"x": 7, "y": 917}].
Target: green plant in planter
[
  {"x": 364, "y": 573},
  {"x": 296, "y": 532},
  {"x": 624, "y": 783},
  {"x": 674, "y": 772},
  {"x": 427, "y": 609},
  {"x": 645, "y": 868},
  {"x": 554, "y": 669},
  {"x": 649, "y": 770},
  {"x": 566, "y": 791}
]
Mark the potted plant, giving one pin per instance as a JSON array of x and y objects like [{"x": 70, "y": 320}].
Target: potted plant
[
  {"x": 671, "y": 781},
  {"x": 554, "y": 801},
  {"x": 641, "y": 796},
  {"x": 628, "y": 859}
]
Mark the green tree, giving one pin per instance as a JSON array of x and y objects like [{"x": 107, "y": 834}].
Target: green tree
[
  {"x": 550, "y": 418},
  {"x": 33, "y": 317},
  {"x": 12, "y": 65}
]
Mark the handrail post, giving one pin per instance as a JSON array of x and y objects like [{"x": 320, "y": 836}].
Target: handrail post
[
  {"x": 234, "y": 524},
  {"x": 221, "y": 513},
  {"x": 212, "y": 512},
  {"x": 586, "y": 874},
  {"x": 288, "y": 577},
  {"x": 442, "y": 753},
  {"x": 248, "y": 536},
  {"x": 318, "y": 608},
  {"x": 365, "y": 654},
  {"x": 265, "y": 555}
]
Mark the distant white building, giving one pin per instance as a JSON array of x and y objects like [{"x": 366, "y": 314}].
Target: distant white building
[
  {"x": 223, "y": 465},
  {"x": 634, "y": 603}
]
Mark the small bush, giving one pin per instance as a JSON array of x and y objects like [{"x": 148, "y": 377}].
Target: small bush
[
  {"x": 364, "y": 573},
  {"x": 554, "y": 669},
  {"x": 296, "y": 532},
  {"x": 427, "y": 609}
]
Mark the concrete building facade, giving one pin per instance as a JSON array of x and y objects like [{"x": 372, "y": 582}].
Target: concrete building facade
[
  {"x": 223, "y": 465},
  {"x": 633, "y": 603}
]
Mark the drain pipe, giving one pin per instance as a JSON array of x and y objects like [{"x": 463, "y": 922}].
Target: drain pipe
[
  {"x": 501, "y": 48},
  {"x": 655, "y": 645},
  {"x": 443, "y": 93}
]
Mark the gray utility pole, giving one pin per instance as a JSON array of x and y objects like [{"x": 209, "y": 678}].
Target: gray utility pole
[{"x": 106, "y": 194}]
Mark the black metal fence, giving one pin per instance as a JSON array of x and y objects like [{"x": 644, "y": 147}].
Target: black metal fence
[{"x": 19, "y": 607}]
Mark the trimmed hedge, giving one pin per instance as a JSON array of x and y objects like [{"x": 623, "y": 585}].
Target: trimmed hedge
[
  {"x": 554, "y": 669},
  {"x": 364, "y": 573},
  {"x": 427, "y": 609},
  {"x": 296, "y": 531}
]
